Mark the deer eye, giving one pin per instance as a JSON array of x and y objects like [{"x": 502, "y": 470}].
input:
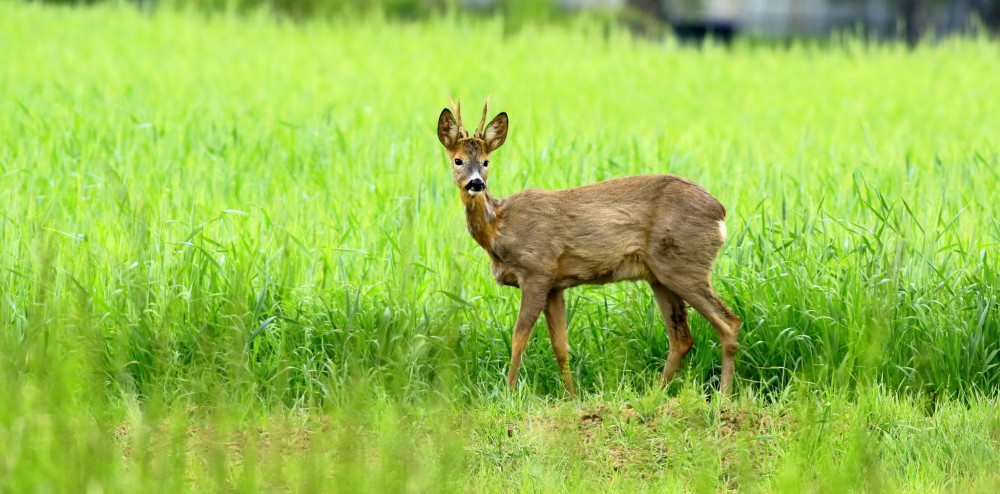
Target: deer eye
[
  {"x": 486, "y": 163},
  {"x": 458, "y": 162}
]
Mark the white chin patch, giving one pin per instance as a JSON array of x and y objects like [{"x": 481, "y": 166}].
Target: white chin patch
[
  {"x": 722, "y": 230},
  {"x": 474, "y": 193}
]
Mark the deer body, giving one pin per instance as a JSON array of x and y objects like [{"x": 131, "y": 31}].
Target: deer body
[
  {"x": 599, "y": 233},
  {"x": 661, "y": 229}
]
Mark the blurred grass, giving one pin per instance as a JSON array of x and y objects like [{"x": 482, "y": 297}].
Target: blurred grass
[{"x": 213, "y": 223}]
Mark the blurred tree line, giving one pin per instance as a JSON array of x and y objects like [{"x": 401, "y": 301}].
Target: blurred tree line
[
  {"x": 647, "y": 17},
  {"x": 393, "y": 9},
  {"x": 914, "y": 15}
]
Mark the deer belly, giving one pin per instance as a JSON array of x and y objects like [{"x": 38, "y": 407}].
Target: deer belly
[
  {"x": 631, "y": 268},
  {"x": 577, "y": 271}
]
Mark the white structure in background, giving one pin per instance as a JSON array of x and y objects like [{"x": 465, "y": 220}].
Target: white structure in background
[{"x": 791, "y": 16}]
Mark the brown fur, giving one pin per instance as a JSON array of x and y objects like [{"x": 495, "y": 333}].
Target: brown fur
[{"x": 661, "y": 229}]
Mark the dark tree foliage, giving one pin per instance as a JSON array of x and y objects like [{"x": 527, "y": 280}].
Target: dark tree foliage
[
  {"x": 989, "y": 14},
  {"x": 302, "y": 9},
  {"x": 914, "y": 15}
]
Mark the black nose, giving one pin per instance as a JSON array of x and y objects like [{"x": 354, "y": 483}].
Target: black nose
[{"x": 475, "y": 185}]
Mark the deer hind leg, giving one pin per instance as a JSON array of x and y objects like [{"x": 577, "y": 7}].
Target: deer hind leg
[
  {"x": 695, "y": 288},
  {"x": 674, "y": 313},
  {"x": 555, "y": 317},
  {"x": 533, "y": 299}
]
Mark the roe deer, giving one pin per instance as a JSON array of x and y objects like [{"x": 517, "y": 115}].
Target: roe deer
[{"x": 661, "y": 229}]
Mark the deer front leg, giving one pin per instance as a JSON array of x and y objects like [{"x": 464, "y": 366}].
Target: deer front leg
[
  {"x": 555, "y": 317},
  {"x": 533, "y": 297}
]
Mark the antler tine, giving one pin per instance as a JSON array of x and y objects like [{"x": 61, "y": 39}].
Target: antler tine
[
  {"x": 457, "y": 108},
  {"x": 482, "y": 121}
]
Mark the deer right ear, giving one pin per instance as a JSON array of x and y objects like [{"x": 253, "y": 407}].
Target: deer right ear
[{"x": 447, "y": 129}]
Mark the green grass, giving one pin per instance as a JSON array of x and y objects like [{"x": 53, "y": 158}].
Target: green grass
[{"x": 233, "y": 259}]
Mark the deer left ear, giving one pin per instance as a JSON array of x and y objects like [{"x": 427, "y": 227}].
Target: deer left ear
[
  {"x": 447, "y": 129},
  {"x": 496, "y": 132}
]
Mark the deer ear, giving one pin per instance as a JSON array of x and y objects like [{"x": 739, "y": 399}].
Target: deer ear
[
  {"x": 447, "y": 129},
  {"x": 496, "y": 132}
]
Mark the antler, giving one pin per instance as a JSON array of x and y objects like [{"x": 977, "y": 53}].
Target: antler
[
  {"x": 482, "y": 121},
  {"x": 457, "y": 108}
]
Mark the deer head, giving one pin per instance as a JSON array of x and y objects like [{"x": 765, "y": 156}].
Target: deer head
[{"x": 469, "y": 156}]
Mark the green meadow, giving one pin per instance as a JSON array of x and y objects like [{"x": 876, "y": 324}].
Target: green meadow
[{"x": 232, "y": 259}]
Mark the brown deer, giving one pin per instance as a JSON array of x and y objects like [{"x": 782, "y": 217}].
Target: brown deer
[{"x": 661, "y": 229}]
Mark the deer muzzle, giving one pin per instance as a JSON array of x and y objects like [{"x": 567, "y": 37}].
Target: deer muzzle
[{"x": 475, "y": 186}]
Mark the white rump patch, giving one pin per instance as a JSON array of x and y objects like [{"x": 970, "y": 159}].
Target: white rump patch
[{"x": 722, "y": 229}]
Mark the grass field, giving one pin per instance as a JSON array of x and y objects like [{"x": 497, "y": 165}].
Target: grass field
[{"x": 233, "y": 260}]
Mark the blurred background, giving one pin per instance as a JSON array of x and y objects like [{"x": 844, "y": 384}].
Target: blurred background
[{"x": 689, "y": 20}]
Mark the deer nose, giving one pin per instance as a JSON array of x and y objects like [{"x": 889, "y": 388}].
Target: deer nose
[{"x": 475, "y": 185}]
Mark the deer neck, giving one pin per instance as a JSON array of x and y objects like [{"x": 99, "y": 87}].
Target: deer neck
[{"x": 481, "y": 215}]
